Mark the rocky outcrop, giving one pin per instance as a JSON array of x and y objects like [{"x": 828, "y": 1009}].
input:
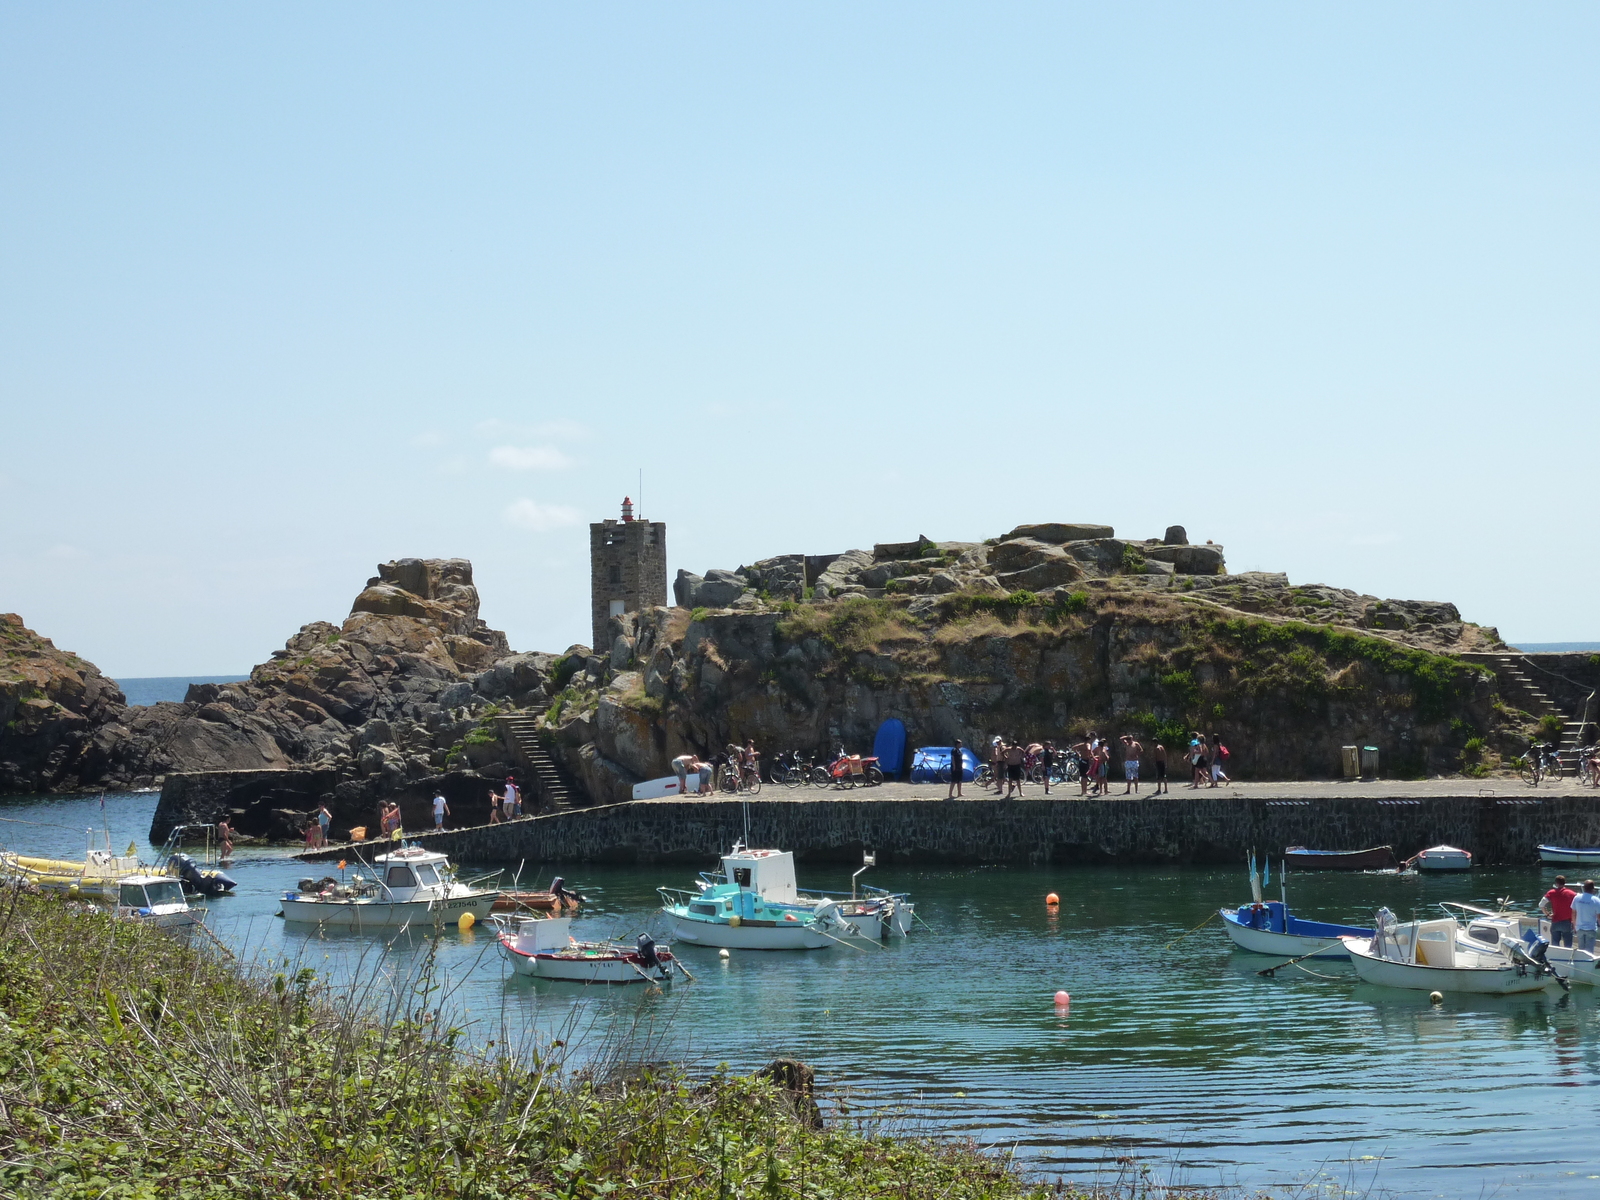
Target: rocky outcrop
[{"x": 54, "y": 707}]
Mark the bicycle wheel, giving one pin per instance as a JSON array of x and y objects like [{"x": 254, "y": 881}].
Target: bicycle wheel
[
  {"x": 874, "y": 777},
  {"x": 1527, "y": 773},
  {"x": 984, "y": 777},
  {"x": 728, "y": 779},
  {"x": 942, "y": 775},
  {"x": 1554, "y": 768},
  {"x": 755, "y": 784},
  {"x": 792, "y": 777},
  {"x": 820, "y": 777}
]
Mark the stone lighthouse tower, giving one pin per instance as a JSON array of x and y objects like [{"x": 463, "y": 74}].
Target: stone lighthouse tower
[{"x": 627, "y": 569}]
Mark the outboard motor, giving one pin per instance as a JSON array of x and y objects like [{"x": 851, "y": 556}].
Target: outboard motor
[
  {"x": 562, "y": 893},
  {"x": 1534, "y": 955},
  {"x": 647, "y": 954},
  {"x": 205, "y": 883}
]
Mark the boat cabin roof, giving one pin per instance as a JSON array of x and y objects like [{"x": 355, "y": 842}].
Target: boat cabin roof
[
  {"x": 141, "y": 880},
  {"x": 412, "y": 856}
]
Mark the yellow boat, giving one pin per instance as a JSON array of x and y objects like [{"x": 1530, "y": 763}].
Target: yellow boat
[{"x": 94, "y": 878}]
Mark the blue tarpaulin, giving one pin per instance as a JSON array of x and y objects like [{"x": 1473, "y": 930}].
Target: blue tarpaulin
[{"x": 928, "y": 761}]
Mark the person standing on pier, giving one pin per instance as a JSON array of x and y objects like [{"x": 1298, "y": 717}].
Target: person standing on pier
[
  {"x": 956, "y": 766},
  {"x": 1131, "y": 750},
  {"x": 1586, "y": 916},
  {"x": 1159, "y": 753},
  {"x": 1014, "y": 754},
  {"x": 1047, "y": 763},
  {"x": 324, "y": 819},
  {"x": 681, "y": 766},
  {"x": 442, "y": 809}
]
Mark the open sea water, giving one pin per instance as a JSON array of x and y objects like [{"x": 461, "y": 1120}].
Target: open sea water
[{"x": 1173, "y": 1052}]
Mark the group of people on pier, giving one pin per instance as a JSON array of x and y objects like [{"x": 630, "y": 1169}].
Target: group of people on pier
[{"x": 1013, "y": 762}]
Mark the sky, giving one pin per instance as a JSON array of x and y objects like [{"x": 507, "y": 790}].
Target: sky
[{"x": 288, "y": 290}]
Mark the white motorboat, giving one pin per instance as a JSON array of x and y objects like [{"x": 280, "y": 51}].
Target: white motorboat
[
  {"x": 1430, "y": 956},
  {"x": 1569, "y": 856},
  {"x": 1531, "y": 931},
  {"x": 544, "y": 948},
  {"x": 1442, "y": 858},
  {"x": 410, "y": 886},
  {"x": 758, "y": 908},
  {"x": 155, "y": 900}
]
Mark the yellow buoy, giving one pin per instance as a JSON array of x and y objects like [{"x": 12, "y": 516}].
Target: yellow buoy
[
  {"x": 734, "y": 922},
  {"x": 466, "y": 922}
]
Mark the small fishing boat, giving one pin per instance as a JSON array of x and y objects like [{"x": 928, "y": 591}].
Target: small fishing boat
[
  {"x": 1429, "y": 956},
  {"x": 876, "y": 914},
  {"x": 544, "y": 948},
  {"x": 1483, "y": 927},
  {"x": 757, "y": 909},
  {"x": 1441, "y": 858},
  {"x": 1569, "y": 856},
  {"x": 1268, "y": 927},
  {"x": 409, "y": 886},
  {"x": 155, "y": 900},
  {"x": 557, "y": 899},
  {"x": 1374, "y": 858}
]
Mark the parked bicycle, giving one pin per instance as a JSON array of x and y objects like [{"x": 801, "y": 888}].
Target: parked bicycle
[
  {"x": 1539, "y": 763},
  {"x": 791, "y": 770},
  {"x": 734, "y": 776},
  {"x": 1589, "y": 766},
  {"x": 852, "y": 770}
]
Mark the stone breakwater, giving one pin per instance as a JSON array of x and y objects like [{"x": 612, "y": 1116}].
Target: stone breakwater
[{"x": 1199, "y": 829}]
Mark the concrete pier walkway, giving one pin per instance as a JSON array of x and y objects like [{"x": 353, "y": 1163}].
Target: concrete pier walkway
[{"x": 1500, "y": 821}]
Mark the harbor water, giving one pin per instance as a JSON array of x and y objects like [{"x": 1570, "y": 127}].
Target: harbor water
[{"x": 1173, "y": 1052}]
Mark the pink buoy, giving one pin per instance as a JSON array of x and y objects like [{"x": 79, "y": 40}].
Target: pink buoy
[{"x": 1062, "y": 999}]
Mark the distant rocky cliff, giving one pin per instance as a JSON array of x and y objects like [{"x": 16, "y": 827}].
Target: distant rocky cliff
[{"x": 1050, "y": 631}]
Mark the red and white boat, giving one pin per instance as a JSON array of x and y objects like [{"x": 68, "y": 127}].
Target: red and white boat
[{"x": 544, "y": 948}]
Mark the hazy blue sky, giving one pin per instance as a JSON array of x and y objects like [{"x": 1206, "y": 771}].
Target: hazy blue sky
[{"x": 286, "y": 290}]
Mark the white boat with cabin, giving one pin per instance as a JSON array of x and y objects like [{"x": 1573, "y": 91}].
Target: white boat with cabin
[
  {"x": 1482, "y": 927},
  {"x": 1430, "y": 956},
  {"x": 756, "y": 908},
  {"x": 410, "y": 886},
  {"x": 155, "y": 900}
]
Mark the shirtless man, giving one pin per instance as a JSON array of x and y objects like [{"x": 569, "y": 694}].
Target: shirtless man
[
  {"x": 1014, "y": 754},
  {"x": 1160, "y": 755},
  {"x": 1131, "y": 750},
  {"x": 1085, "y": 755}
]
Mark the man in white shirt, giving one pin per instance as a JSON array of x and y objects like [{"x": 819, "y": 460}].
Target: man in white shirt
[
  {"x": 513, "y": 798},
  {"x": 1586, "y": 916},
  {"x": 440, "y": 808}
]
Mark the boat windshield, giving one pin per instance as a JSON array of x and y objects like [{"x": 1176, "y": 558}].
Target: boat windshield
[
  {"x": 400, "y": 877},
  {"x": 164, "y": 893},
  {"x": 704, "y": 908},
  {"x": 427, "y": 875},
  {"x": 131, "y": 895}
]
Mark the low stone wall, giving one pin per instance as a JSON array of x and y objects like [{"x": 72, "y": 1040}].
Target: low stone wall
[{"x": 1202, "y": 829}]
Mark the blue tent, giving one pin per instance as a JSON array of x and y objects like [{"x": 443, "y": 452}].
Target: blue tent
[{"x": 928, "y": 761}]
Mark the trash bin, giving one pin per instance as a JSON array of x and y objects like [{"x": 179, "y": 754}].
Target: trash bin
[
  {"x": 1350, "y": 758},
  {"x": 1369, "y": 762}
]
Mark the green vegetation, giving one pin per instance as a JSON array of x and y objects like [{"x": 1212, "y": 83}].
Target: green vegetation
[
  {"x": 1132, "y": 561},
  {"x": 1021, "y": 605},
  {"x": 1550, "y": 727},
  {"x": 856, "y": 624},
  {"x": 563, "y": 669},
  {"x": 1168, "y": 733},
  {"x": 331, "y": 639},
  {"x": 134, "y": 1068},
  {"x": 699, "y": 613}
]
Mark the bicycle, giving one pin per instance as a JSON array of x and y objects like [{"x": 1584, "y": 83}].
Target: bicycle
[
  {"x": 733, "y": 777},
  {"x": 1541, "y": 761},
  {"x": 1587, "y": 774}
]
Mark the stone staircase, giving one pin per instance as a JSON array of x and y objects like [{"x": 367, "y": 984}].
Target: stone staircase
[
  {"x": 520, "y": 733},
  {"x": 1519, "y": 686}
]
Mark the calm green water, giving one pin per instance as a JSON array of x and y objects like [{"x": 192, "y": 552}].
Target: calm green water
[{"x": 1181, "y": 1057}]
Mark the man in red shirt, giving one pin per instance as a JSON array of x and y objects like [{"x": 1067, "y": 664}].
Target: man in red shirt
[{"x": 1558, "y": 903}]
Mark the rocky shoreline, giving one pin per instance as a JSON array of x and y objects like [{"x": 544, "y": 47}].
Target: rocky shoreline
[{"x": 1050, "y": 630}]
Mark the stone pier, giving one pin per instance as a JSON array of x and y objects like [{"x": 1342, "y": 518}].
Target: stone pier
[{"x": 1499, "y": 826}]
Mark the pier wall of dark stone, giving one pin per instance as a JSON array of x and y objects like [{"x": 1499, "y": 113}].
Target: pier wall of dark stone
[{"x": 1203, "y": 829}]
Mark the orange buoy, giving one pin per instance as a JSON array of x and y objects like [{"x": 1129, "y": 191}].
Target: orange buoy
[
  {"x": 1052, "y": 899},
  {"x": 1062, "y": 1000}
]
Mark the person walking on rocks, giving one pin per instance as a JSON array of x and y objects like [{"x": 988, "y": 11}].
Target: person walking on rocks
[
  {"x": 1586, "y": 916},
  {"x": 441, "y": 809},
  {"x": 1131, "y": 750},
  {"x": 957, "y": 766},
  {"x": 1159, "y": 754},
  {"x": 1014, "y": 754}
]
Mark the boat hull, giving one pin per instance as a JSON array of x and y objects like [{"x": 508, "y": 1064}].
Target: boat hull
[
  {"x": 1443, "y": 858},
  {"x": 1569, "y": 856},
  {"x": 1374, "y": 858},
  {"x": 744, "y": 936},
  {"x": 386, "y": 914},
  {"x": 1480, "y": 981},
  {"x": 1280, "y": 945}
]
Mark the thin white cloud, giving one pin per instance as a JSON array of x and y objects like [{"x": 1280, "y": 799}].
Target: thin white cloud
[
  {"x": 561, "y": 430},
  {"x": 530, "y": 514},
  {"x": 529, "y": 458},
  {"x": 63, "y": 551}
]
